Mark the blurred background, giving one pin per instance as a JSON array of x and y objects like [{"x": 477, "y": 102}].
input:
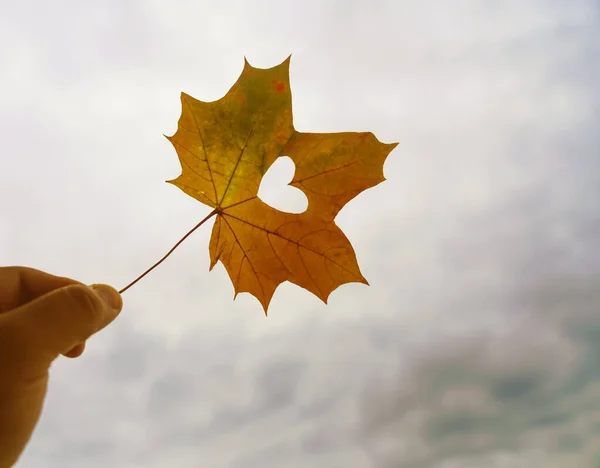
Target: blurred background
[{"x": 477, "y": 343}]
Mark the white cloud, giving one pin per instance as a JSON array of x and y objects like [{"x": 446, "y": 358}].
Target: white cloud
[{"x": 475, "y": 343}]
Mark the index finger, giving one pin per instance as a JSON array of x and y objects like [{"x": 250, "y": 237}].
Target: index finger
[{"x": 20, "y": 285}]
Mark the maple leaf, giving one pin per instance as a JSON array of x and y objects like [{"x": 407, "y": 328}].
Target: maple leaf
[{"x": 226, "y": 146}]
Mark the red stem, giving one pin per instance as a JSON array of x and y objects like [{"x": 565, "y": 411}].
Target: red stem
[{"x": 212, "y": 213}]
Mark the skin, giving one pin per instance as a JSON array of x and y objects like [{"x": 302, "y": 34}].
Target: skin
[{"x": 42, "y": 316}]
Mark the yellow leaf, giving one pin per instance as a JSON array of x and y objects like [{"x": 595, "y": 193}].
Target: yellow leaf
[{"x": 226, "y": 146}]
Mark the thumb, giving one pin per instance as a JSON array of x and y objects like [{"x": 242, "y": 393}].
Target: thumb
[{"x": 55, "y": 322}]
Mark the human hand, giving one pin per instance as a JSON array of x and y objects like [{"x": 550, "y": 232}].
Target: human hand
[{"x": 41, "y": 317}]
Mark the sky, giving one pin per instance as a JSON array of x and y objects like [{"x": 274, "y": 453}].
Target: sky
[{"x": 477, "y": 343}]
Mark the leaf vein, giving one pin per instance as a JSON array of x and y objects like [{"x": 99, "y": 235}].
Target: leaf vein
[{"x": 203, "y": 148}]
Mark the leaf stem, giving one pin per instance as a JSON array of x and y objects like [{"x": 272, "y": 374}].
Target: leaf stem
[{"x": 211, "y": 214}]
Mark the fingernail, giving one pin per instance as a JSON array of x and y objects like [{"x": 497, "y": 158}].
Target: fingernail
[{"x": 110, "y": 295}]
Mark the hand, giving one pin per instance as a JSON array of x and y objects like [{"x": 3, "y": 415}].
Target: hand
[{"x": 41, "y": 317}]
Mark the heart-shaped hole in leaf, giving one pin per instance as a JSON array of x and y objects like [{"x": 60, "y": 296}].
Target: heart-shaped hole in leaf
[{"x": 275, "y": 191}]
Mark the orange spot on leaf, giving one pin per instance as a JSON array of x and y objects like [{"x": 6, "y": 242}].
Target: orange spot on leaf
[{"x": 278, "y": 86}]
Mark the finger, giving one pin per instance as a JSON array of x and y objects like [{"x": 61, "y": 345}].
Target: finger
[
  {"x": 20, "y": 285},
  {"x": 55, "y": 323},
  {"x": 75, "y": 351}
]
